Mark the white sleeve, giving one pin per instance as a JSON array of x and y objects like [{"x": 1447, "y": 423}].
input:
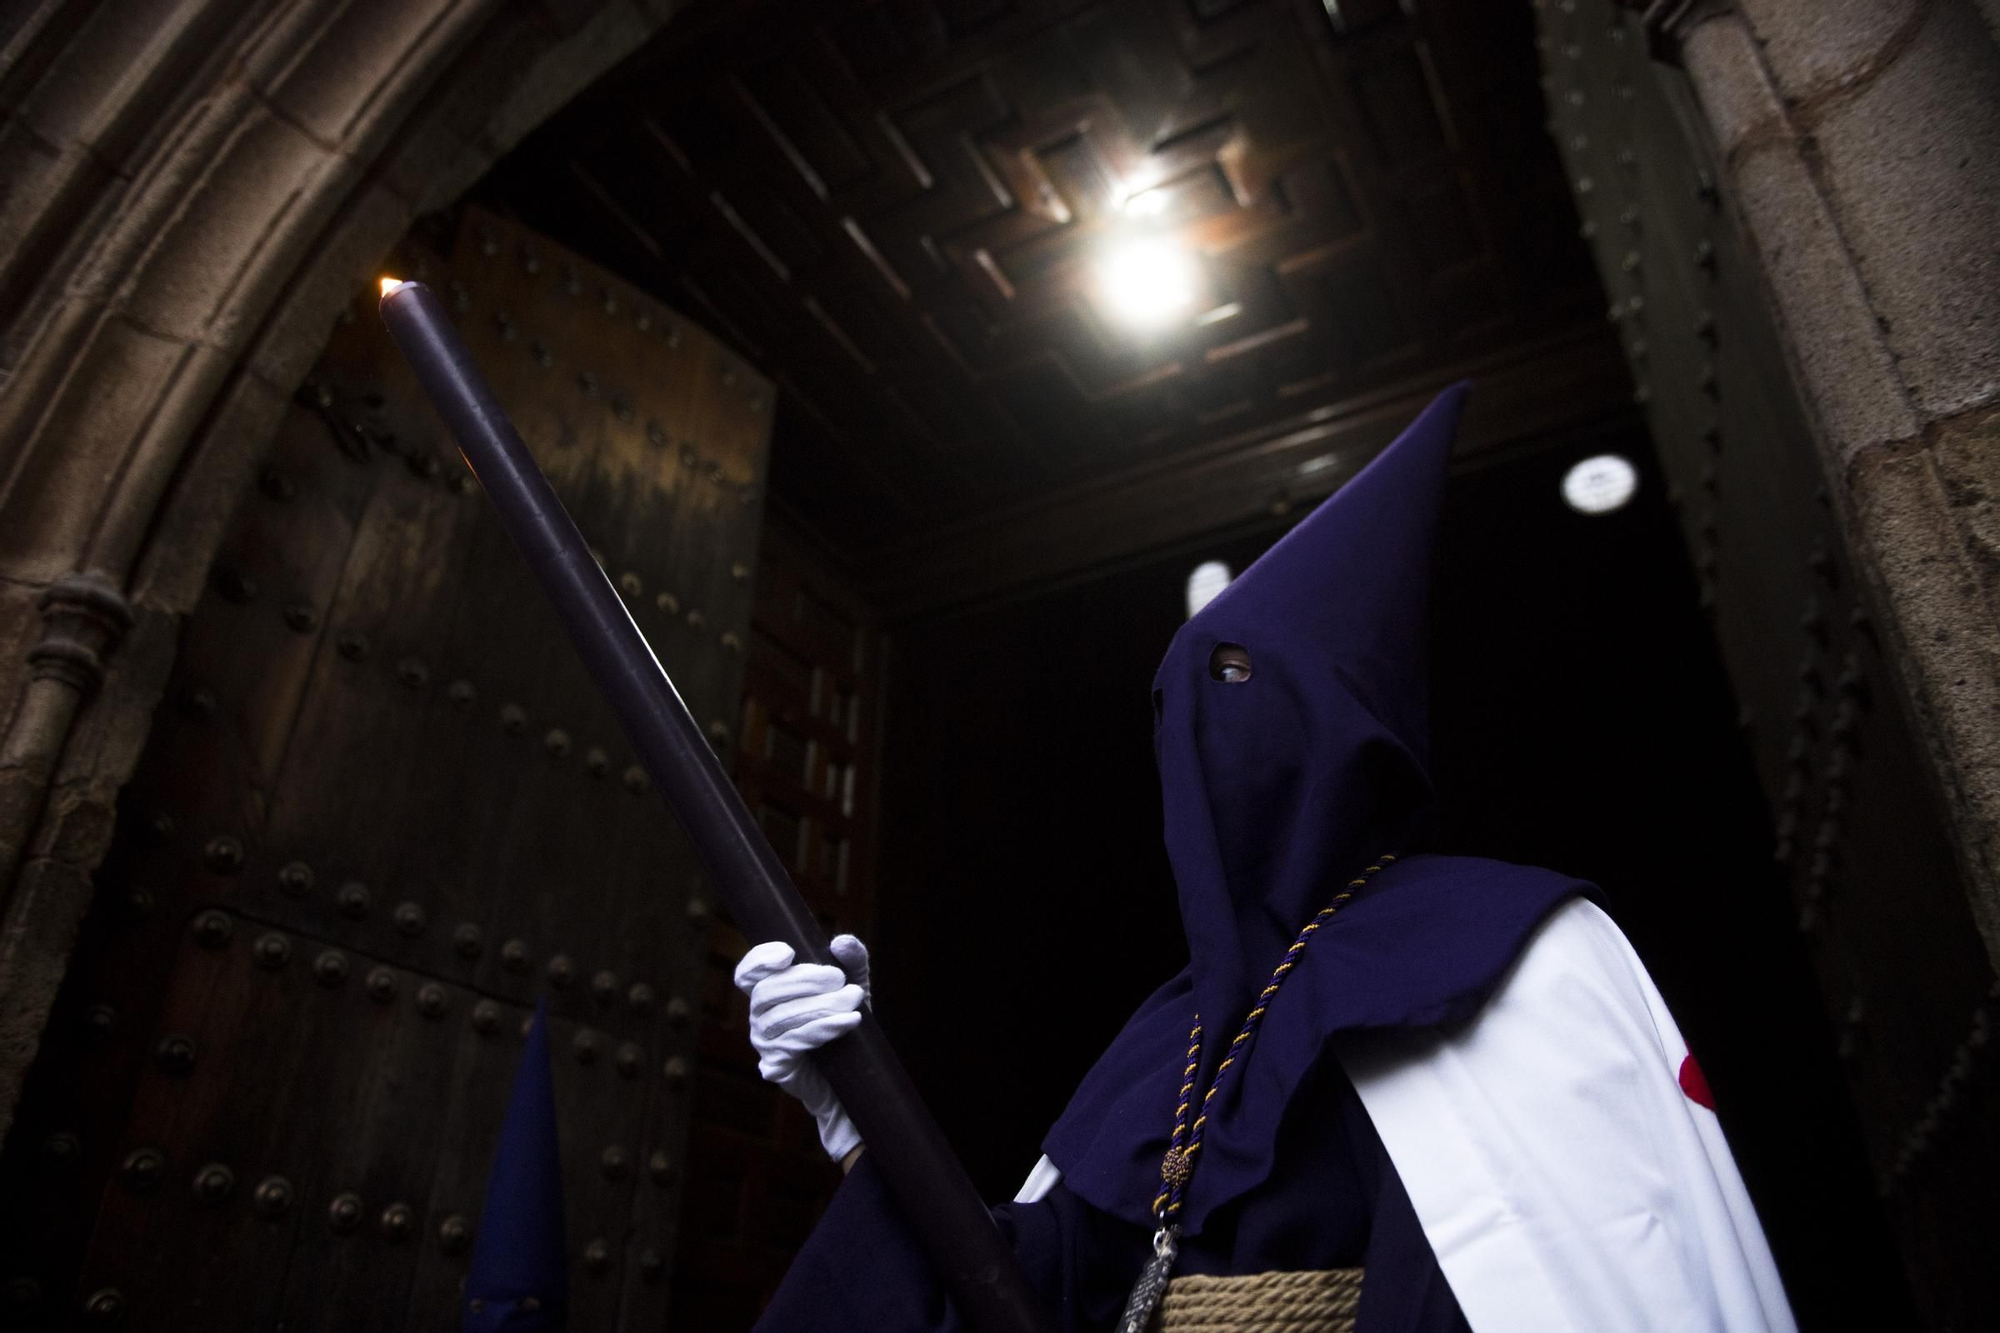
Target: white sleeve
[
  {"x": 1563, "y": 1178},
  {"x": 1045, "y": 1177}
]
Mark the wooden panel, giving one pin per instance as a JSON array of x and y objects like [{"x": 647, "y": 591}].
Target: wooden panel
[
  {"x": 1858, "y": 829},
  {"x": 812, "y": 691},
  {"x": 383, "y": 812}
]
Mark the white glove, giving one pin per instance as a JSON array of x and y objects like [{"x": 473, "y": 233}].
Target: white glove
[{"x": 798, "y": 1008}]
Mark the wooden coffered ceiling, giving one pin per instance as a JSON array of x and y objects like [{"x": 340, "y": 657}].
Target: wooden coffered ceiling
[{"x": 896, "y": 209}]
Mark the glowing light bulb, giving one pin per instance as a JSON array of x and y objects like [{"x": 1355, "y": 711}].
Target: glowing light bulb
[
  {"x": 1145, "y": 204},
  {"x": 1209, "y": 578},
  {"x": 390, "y": 285},
  {"x": 1147, "y": 281},
  {"x": 1601, "y": 484}
]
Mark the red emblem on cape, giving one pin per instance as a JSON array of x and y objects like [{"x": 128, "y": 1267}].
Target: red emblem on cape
[{"x": 1695, "y": 1083}]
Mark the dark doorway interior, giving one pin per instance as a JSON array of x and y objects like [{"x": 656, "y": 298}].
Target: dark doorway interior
[{"x": 1581, "y": 720}]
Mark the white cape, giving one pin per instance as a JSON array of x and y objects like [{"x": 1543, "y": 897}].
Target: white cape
[{"x": 1563, "y": 1178}]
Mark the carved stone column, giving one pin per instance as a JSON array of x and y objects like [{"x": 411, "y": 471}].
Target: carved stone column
[
  {"x": 1861, "y": 139},
  {"x": 83, "y": 617}
]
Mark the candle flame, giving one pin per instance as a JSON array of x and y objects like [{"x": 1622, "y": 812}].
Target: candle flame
[{"x": 390, "y": 285}]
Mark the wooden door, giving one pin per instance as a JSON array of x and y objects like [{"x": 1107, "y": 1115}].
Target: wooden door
[{"x": 382, "y": 811}]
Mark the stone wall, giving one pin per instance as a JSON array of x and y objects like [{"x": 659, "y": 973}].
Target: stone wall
[
  {"x": 1861, "y": 139},
  {"x": 190, "y": 197}
]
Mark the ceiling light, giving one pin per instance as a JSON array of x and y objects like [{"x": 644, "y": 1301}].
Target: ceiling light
[
  {"x": 1209, "y": 578},
  {"x": 1147, "y": 281},
  {"x": 1601, "y": 484},
  {"x": 1145, "y": 204}
]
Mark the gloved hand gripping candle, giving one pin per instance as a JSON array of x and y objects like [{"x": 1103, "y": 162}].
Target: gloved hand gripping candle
[
  {"x": 868, "y": 1081},
  {"x": 796, "y": 1008}
]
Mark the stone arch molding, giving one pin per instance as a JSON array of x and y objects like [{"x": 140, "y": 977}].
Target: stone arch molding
[{"x": 190, "y": 190}]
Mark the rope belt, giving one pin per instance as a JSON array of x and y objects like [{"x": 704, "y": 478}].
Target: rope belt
[{"x": 1313, "y": 1301}]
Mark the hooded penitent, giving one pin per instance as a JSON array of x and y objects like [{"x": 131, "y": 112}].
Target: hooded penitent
[
  {"x": 1538, "y": 1168},
  {"x": 519, "y": 1279},
  {"x": 1279, "y": 786}
]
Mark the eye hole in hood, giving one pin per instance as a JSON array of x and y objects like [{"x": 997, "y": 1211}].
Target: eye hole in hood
[{"x": 1229, "y": 663}]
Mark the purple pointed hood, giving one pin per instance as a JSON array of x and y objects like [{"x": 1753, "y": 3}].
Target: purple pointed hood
[
  {"x": 519, "y": 1278},
  {"x": 1277, "y": 789}
]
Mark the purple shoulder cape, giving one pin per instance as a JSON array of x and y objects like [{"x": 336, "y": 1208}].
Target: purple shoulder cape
[{"x": 1423, "y": 945}]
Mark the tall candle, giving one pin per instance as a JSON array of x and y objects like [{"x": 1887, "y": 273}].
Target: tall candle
[{"x": 908, "y": 1147}]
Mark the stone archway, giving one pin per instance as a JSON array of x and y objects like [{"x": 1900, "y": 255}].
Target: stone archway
[{"x": 192, "y": 199}]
